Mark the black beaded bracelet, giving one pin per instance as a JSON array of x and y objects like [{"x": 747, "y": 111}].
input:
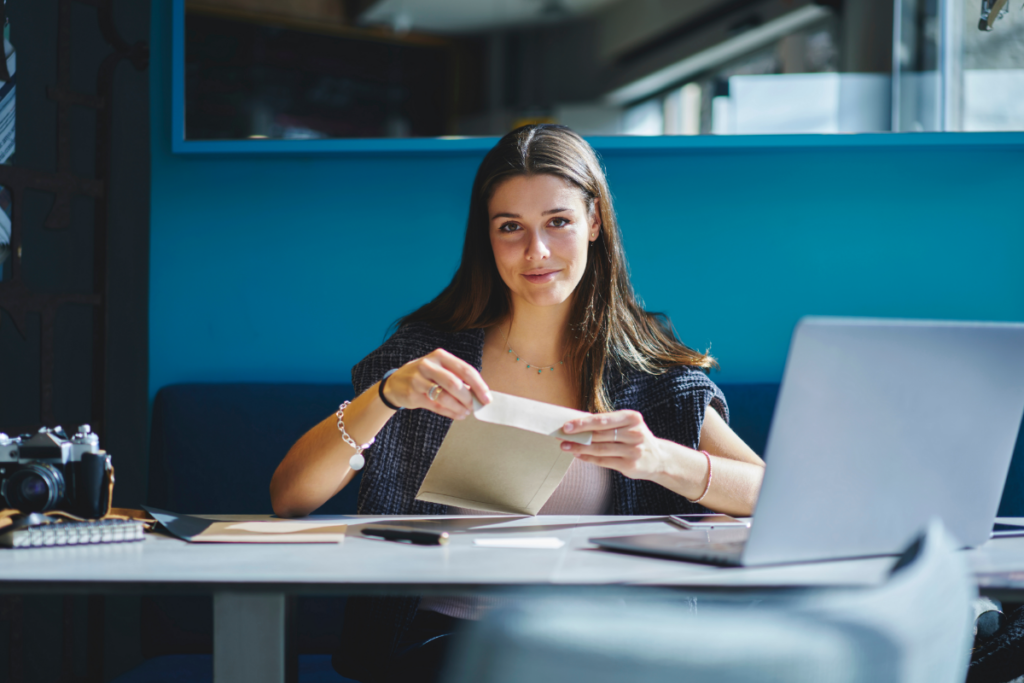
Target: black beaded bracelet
[{"x": 380, "y": 390}]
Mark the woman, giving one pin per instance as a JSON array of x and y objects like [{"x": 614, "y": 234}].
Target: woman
[{"x": 541, "y": 307}]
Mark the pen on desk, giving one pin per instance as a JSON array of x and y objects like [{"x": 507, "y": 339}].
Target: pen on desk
[{"x": 398, "y": 533}]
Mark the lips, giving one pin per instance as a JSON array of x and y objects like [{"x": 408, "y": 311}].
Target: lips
[{"x": 540, "y": 276}]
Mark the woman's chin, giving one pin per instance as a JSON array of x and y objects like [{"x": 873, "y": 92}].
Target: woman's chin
[{"x": 544, "y": 299}]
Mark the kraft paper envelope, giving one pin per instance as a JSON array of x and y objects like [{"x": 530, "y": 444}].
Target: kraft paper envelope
[{"x": 504, "y": 457}]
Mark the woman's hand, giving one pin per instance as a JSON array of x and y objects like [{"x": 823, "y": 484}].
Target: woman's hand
[
  {"x": 456, "y": 381},
  {"x": 622, "y": 442}
]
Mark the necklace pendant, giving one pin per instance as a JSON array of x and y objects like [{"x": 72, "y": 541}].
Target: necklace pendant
[{"x": 531, "y": 366}]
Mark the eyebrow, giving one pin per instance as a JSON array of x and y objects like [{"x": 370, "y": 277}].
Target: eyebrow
[{"x": 544, "y": 213}]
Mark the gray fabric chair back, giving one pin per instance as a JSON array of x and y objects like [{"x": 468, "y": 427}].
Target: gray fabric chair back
[{"x": 915, "y": 628}]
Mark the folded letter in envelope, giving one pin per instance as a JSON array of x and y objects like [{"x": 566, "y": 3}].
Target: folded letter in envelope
[{"x": 504, "y": 457}]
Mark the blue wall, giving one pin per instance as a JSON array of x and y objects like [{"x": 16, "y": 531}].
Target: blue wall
[{"x": 292, "y": 267}]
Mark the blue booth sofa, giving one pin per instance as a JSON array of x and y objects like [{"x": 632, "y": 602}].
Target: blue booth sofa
[{"x": 213, "y": 449}]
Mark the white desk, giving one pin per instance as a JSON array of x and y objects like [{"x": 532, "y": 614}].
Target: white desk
[{"x": 250, "y": 582}]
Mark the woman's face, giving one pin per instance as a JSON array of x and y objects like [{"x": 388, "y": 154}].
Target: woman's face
[{"x": 540, "y": 231}]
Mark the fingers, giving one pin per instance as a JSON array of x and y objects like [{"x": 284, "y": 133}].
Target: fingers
[
  {"x": 434, "y": 373},
  {"x": 627, "y": 435},
  {"x": 466, "y": 373},
  {"x": 447, "y": 405},
  {"x": 603, "y": 425},
  {"x": 618, "y": 438},
  {"x": 621, "y": 441},
  {"x": 444, "y": 403},
  {"x": 457, "y": 380},
  {"x": 604, "y": 451},
  {"x": 618, "y": 464}
]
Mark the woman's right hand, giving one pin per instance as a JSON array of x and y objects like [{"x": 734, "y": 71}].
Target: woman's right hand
[{"x": 410, "y": 385}]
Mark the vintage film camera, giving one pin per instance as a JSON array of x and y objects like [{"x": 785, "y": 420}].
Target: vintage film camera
[{"x": 47, "y": 471}]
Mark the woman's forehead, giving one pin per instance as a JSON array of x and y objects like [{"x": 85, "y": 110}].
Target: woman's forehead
[{"x": 538, "y": 193}]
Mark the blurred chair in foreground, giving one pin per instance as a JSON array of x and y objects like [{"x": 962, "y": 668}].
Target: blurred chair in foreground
[{"x": 914, "y": 628}]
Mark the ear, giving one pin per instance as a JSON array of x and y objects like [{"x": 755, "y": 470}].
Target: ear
[{"x": 595, "y": 219}]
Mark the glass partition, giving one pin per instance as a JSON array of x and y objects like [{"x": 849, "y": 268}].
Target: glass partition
[
  {"x": 959, "y": 66},
  {"x": 344, "y": 69}
]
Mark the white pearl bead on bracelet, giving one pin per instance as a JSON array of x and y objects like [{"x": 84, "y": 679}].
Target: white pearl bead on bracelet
[{"x": 357, "y": 461}]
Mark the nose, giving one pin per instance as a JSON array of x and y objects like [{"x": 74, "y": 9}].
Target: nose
[{"x": 536, "y": 246}]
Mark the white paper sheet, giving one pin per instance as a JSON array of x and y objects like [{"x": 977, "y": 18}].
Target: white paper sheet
[{"x": 541, "y": 542}]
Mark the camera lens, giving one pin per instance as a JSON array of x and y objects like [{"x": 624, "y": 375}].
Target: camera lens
[
  {"x": 34, "y": 490},
  {"x": 37, "y": 487}
]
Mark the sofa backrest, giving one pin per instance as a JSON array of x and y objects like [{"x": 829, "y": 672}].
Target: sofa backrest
[{"x": 214, "y": 447}]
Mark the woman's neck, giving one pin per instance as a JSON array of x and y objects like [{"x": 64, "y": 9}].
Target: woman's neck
[{"x": 537, "y": 333}]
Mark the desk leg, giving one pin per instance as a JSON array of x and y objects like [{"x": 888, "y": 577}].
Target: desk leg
[{"x": 250, "y": 639}]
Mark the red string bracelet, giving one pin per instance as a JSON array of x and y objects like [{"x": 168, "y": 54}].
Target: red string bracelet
[{"x": 707, "y": 487}]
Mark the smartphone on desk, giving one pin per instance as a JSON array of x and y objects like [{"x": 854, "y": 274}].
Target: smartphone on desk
[
  {"x": 707, "y": 521},
  {"x": 1000, "y": 530}
]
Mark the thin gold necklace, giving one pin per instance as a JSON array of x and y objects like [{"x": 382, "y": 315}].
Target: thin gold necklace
[{"x": 529, "y": 366}]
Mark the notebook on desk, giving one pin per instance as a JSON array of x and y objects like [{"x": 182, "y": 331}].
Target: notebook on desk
[{"x": 880, "y": 425}]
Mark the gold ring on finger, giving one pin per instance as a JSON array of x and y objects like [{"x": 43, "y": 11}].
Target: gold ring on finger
[{"x": 434, "y": 392}]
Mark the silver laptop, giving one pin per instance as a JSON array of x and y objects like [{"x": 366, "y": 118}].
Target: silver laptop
[{"x": 880, "y": 425}]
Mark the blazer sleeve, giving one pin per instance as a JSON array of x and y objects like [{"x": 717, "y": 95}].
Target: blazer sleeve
[
  {"x": 676, "y": 403},
  {"x": 400, "y": 348}
]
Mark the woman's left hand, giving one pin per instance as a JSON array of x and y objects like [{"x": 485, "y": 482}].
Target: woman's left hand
[{"x": 622, "y": 442}]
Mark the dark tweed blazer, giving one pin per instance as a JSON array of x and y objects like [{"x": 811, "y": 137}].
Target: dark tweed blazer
[{"x": 673, "y": 406}]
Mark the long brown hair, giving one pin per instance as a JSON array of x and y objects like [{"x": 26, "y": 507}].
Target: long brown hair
[{"x": 607, "y": 326}]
